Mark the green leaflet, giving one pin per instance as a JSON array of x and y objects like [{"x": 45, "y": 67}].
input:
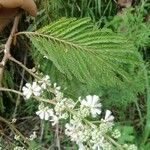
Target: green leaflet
[{"x": 91, "y": 55}]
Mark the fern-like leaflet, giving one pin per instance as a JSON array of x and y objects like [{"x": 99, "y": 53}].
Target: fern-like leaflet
[{"x": 79, "y": 50}]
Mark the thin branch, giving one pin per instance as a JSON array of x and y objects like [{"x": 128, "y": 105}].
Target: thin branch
[
  {"x": 20, "y": 88},
  {"x": 29, "y": 71},
  {"x": 24, "y": 67},
  {"x": 57, "y": 136},
  {"x": 14, "y": 130},
  {"x": 10, "y": 90},
  {"x": 35, "y": 97},
  {"x": 7, "y": 47}
]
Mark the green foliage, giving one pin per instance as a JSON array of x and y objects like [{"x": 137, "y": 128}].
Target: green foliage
[
  {"x": 84, "y": 60},
  {"x": 95, "y": 61},
  {"x": 51, "y": 10},
  {"x": 133, "y": 24},
  {"x": 77, "y": 49},
  {"x": 83, "y": 8},
  {"x": 127, "y": 134}
]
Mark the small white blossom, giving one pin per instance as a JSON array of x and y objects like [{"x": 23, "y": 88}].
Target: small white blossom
[
  {"x": 83, "y": 112},
  {"x": 116, "y": 134},
  {"x": 29, "y": 89},
  {"x": 59, "y": 107},
  {"x": 62, "y": 105},
  {"x": 75, "y": 131},
  {"x": 13, "y": 120},
  {"x": 104, "y": 127},
  {"x": 91, "y": 102},
  {"x": 96, "y": 135},
  {"x": 107, "y": 146},
  {"x": 44, "y": 112},
  {"x": 98, "y": 145},
  {"x": 108, "y": 116},
  {"x": 33, "y": 136},
  {"x": 19, "y": 148},
  {"x": 56, "y": 88},
  {"x": 64, "y": 116},
  {"x": 17, "y": 137},
  {"x": 45, "y": 57},
  {"x": 130, "y": 147},
  {"x": 54, "y": 119},
  {"x": 81, "y": 146},
  {"x": 59, "y": 96},
  {"x": 44, "y": 82}
]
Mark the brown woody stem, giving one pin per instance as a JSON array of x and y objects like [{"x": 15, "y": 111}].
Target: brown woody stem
[{"x": 7, "y": 47}]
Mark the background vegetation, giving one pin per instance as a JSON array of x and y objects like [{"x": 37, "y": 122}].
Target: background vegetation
[{"x": 119, "y": 72}]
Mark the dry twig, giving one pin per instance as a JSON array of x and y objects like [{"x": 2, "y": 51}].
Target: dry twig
[{"x": 7, "y": 47}]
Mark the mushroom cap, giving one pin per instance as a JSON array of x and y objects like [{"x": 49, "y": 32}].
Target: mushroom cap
[{"x": 27, "y": 5}]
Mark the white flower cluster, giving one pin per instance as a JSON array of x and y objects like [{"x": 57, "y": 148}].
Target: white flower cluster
[
  {"x": 59, "y": 111},
  {"x": 86, "y": 126},
  {"x": 19, "y": 148},
  {"x": 86, "y": 133},
  {"x": 33, "y": 136},
  {"x": 130, "y": 147},
  {"x": 91, "y": 106},
  {"x": 93, "y": 134},
  {"x": 35, "y": 88},
  {"x": 45, "y": 113}
]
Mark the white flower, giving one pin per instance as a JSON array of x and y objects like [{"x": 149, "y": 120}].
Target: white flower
[
  {"x": 97, "y": 146},
  {"x": 64, "y": 116},
  {"x": 132, "y": 147},
  {"x": 54, "y": 119},
  {"x": 13, "y": 120},
  {"x": 105, "y": 127},
  {"x": 62, "y": 105},
  {"x": 108, "y": 116},
  {"x": 33, "y": 136},
  {"x": 92, "y": 103},
  {"x": 96, "y": 135},
  {"x": 17, "y": 137},
  {"x": 83, "y": 112},
  {"x": 81, "y": 146},
  {"x": 59, "y": 107},
  {"x": 45, "y": 57},
  {"x": 116, "y": 134},
  {"x": 57, "y": 89},
  {"x": 19, "y": 148},
  {"x": 29, "y": 89},
  {"x": 78, "y": 132},
  {"x": 75, "y": 130},
  {"x": 44, "y": 112},
  {"x": 45, "y": 81}
]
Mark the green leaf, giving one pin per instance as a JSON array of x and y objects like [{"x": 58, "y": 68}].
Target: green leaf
[
  {"x": 127, "y": 134},
  {"x": 79, "y": 50}
]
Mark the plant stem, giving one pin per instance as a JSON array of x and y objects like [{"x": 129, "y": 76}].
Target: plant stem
[
  {"x": 35, "y": 97},
  {"x": 7, "y": 47},
  {"x": 11, "y": 90},
  {"x": 14, "y": 130},
  {"x": 24, "y": 67},
  {"x": 146, "y": 132}
]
